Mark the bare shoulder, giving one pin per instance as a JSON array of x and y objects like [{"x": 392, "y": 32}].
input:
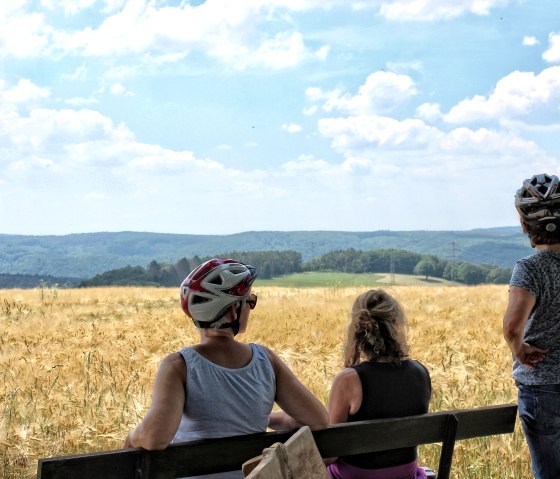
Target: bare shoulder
[
  {"x": 347, "y": 376},
  {"x": 272, "y": 356},
  {"x": 346, "y": 395},
  {"x": 346, "y": 383},
  {"x": 174, "y": 364}
]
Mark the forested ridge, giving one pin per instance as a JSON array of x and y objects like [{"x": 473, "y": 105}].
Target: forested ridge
[
  {"x": 272, "y": 264},
  {"x": 85, "y": 255}
]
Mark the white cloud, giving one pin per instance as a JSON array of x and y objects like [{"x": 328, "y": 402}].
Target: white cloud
[
  {"x": 95, "y": 196},
  {"x": 310, "y": 110},
  {"x": 24, "y": 93},
  {"x": 221, "y": 29},
  {"x": 429, "y": 111},
  {"x": 403, "y": 67},
  {"x": 117, "y": 89},
  {"x": 81, "y": 101},
  {"x": 517, "y": 94},
  {"x": 381, "y": 92},
  {"x": 552, "y": 55},
  {"x": 422, "y": 10},
  {"x": 57, "y": 132},
  {"x": 306, "y": 163},
  {"x": 291, "y": 127},
  {"x": 323, "y": 52},
  {"x": 22, "y": 34},
  {"x": 368, "y": 131},
  {"x": 283, "y": 51},
  {"x": 79, "y": 74},
  {"x": 70, "y": 7},
  {"x": 157, "y": 159},
  {"x": 529, "y": 41}
]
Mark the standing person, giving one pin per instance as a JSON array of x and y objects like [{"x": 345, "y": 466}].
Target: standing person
[
  {"x": 532, "y": 323},
  {"x": 222, "y": 387},
  {"x": 380, "y": 381}
]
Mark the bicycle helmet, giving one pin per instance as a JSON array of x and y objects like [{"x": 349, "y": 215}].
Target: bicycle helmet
[
  {"x": 538, "y": 201},
  {"x": 211, "y": 288}
]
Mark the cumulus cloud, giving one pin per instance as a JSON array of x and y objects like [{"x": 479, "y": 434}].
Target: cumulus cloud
[
  {"x": 221, "y": 29},
  {"x": 22, "y": 34},
  {"x": 69, "y": 7},
  {"x": 283, "y": 51},
  {"x": 381, "y": 92},
  {"x": 552, "y": 55},
  {"x": 516, "y": 95},
  {"x": 291, "y": 127},
  {"x": 117, "y": 89},
  {"x": 529, "y": 41},
  {"x": 384, "y": 146},
  {"x": 25, "y": 92},
  {"x": 429, "y": 111},
  {"x": 365, "y": 132},
  {"x": 422, "y": 10}
]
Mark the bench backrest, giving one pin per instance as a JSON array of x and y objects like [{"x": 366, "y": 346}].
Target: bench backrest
[{"x": 224, "y": 454}]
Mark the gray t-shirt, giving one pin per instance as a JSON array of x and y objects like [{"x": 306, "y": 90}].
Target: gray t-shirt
[{"x": 540, "y": 275}]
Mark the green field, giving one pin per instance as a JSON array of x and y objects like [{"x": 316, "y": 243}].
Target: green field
[{"x": 334, "y": 279}]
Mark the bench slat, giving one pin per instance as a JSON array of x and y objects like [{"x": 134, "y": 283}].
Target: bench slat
[{"x": 219, "y": 455}]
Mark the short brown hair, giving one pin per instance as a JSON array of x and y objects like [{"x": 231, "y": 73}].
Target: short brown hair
[{"x": 538, "y": 233}]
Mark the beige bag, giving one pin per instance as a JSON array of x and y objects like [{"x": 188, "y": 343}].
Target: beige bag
[{"x": 298, "y": 458}]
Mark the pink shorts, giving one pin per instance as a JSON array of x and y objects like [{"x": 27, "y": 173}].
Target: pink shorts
[{"x": 343, "y": 470}]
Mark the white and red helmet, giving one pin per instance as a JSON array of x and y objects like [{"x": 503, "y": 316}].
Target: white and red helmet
[
  {"x": 211, "y": 288},
  {"x": 538, "y": 200}
]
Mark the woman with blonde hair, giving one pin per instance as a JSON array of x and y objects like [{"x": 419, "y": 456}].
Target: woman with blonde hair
[{"x": 379, "y": 381}]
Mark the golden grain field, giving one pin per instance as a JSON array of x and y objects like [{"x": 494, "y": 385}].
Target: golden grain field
[{"x": 76, "y": 366}]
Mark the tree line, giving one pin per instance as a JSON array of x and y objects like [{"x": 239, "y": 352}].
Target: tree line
[
  {"x": 406, "y": 262},
  {"x": 271, "y": 264}
]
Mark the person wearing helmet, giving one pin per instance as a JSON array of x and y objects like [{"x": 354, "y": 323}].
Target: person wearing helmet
[
  {"x": 532, "y": 323},
  {"x": 221, "y": 387}
]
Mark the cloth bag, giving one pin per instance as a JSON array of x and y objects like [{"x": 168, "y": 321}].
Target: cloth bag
[{"x": 297, "y": 458}]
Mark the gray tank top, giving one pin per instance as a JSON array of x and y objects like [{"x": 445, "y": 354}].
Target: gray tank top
[{"x": 224, "y": 402}]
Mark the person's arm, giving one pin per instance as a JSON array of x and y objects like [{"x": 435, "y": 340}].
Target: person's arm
[
  {"x": 345, "y": 398},
  {"x": 520, "y": 305},
  {"x": 301, "y": 407},
  {"x": 161, "y": 422}
]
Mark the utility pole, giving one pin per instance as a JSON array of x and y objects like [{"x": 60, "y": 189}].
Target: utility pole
[
  {"x": 392, "y": 267},
  {"x": 454, "y": 251}
]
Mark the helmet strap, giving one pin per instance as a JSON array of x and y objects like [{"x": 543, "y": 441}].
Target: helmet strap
[{"x": 234, "y": 325}]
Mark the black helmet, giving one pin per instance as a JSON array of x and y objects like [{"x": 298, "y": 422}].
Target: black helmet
[{"x": 538, "y": 201}]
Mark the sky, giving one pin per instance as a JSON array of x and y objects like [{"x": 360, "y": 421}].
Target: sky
[{"x": 225, "y": 116}]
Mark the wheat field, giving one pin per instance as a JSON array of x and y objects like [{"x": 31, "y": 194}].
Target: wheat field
[{"x": 76, "y": 366}]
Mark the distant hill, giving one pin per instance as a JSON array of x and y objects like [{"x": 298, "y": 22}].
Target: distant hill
[{"x": 87, "y": 254}]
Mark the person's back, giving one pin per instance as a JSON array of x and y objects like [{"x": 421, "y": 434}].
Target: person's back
[
  {"x": 390, "y": 390},
  {"x": 224, "y": 401},
  {"x": 379, "y": 381}
]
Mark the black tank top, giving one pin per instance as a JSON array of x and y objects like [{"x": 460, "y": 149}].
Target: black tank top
[{"x": 390, "y": 390}]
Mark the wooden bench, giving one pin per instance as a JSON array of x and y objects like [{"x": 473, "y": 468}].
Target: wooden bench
[{"x": 219, "y": 455}]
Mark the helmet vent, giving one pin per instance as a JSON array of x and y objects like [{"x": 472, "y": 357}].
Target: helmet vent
[
  {"x": 197, "y": 299},
  {"x": 216, "y": 280}
]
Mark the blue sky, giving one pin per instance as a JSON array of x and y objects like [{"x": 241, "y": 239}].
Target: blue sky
[{"x": 222, "y": 116}]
